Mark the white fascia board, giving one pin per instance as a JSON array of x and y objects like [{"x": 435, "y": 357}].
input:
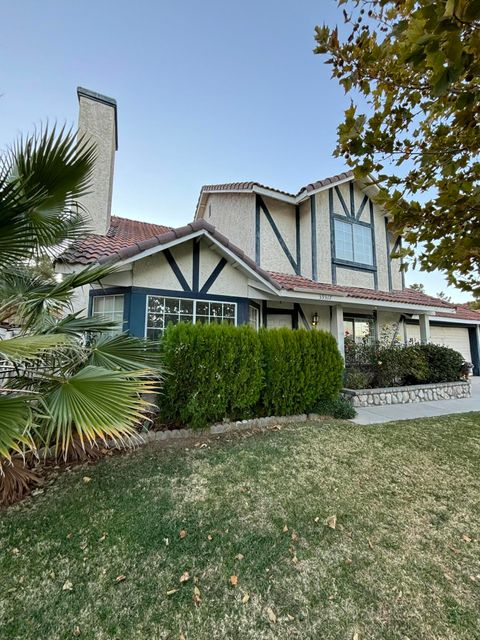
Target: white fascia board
[
  {"x": 268, "y": 193},
  {"x": 304, "y": 195},
  {"x": 454, "y": 320}
]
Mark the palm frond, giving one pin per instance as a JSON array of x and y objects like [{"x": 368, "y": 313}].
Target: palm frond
[
  {"x": 15, "y": 420},
  {"x": 96, "y": 403},
  {"x": 31, "y": 347},
  {"x": 75, "y": 325},
  {"x": 41, "y": 180},
  {"x": 125, "y": 352}
]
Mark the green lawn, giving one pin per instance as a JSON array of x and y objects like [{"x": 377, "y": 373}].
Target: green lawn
[{"x": 402, "y": 563}]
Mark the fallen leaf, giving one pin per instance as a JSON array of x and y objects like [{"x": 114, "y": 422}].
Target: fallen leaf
[
  {"x": 185, "y": 576},
  {"x": 67, "y": 586},
  {"x": 209, "y": 537},
  {"x": 271, "y": 615},
  {"x": 245, "y": 598},
  {"x": 181, "y": 637},
  {"x": 15, "y": 551},
  {"x": 285, "y": 529},
  {"x": 466, "y": 538},
  {"x": 166, "y": 541},
  {"x": 370, "y": 543},
  {"x": 239, "y": 556},
  {"x": 294, "y": 535},
  {"x": 183, "y": 534},
  {"x": 196, "y": 596},
  {"x": 120, "y": 578},
  {"x": 83, "y": 545},
  {"x": 76, "y": 631},
  {"x": 234, "y": 580},
  {"x": 290, "y": 617},
  {"x": 356, "y": 636},
  {"x": 332, "y": 522},
  {"x": 317, "y": 519},
  {"x": 455, "y": 550},
  {"x": 348, "y": 561},
  {"x": 86, "y": 479},
  {"x": 171, "y": 592},
  {"x": 103, "y": 537}
]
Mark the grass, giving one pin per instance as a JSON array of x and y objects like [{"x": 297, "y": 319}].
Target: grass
[{"x": 402, "y": 563}]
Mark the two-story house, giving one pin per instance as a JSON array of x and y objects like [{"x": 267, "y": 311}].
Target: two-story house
[{"x": 319, "y": 259}]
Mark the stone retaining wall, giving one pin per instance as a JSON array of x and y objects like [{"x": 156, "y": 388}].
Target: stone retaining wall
[{"x": 413, "y": 393}]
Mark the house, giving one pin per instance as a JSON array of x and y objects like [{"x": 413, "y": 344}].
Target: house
[{"x": 319, "y": 258}]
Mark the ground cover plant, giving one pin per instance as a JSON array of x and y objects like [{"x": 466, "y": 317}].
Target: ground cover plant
[{"x": 321, "y": 530}]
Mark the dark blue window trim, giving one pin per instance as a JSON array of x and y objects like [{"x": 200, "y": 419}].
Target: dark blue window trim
[
  {"x": 214, "y": 275},
  {"x": 389, "y": 259},
  {"x": 257, "y": 229},
  {"x": 297, "y": 238}
]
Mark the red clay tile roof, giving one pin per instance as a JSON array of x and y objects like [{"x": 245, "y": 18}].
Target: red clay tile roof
[
  {"x": 249, "y": 186},
  {"x": 463, "y": 312},
  {"x": 122, "y": 233},
  {"x": 407, "y": 296},
  {"x": 326, "y": 181},
  {"x": 242, "y": 186}
]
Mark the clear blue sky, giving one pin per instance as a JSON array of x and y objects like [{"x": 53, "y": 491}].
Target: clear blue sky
[{"x": 211, "y": 91}]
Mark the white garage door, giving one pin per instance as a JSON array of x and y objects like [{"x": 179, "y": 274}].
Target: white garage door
[
  {"x": 278, "y": 320},
  {"x": 453, "y": 337}
]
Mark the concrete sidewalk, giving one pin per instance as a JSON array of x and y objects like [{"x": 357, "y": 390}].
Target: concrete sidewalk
[{"x": 389, "y": 412}]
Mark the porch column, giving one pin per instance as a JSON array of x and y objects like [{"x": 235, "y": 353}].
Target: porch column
[
  {"x": 424, "y": 328},
  {"x": 336, "y": 327}
]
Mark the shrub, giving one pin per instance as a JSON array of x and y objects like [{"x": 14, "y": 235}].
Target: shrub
[
  {"x": 299, "y": 368},
  {"x": 444, "y": 364},
  {"x": 339, "y": 407},
  {"x": 357, "y": 379},
  {"x": 218, "y": 372},
  {"x": 214, "y": 372}
]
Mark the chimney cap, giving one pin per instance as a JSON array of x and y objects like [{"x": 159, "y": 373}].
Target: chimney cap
[{"x": 99, "y": 97}]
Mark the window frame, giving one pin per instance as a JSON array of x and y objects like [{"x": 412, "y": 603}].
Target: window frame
[
  {"x": 353, "y": 319},
  {"x": 194, "y": 302},
  {"x": 252, "y": 307},
  {"x": 351, "y": 224},
  {"x": 104, "y": 296}
]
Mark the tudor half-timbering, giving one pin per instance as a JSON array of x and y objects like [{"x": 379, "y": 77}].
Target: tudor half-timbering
[{"x": 319, "y": 259}]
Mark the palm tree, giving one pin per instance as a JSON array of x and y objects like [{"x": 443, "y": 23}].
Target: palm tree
[{"x": 67, "y": 383}]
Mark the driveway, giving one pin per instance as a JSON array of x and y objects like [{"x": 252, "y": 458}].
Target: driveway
[{"x": 389, "y": 412}]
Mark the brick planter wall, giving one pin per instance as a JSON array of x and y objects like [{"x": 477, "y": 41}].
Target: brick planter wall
[{"x": 413, "y": 393}]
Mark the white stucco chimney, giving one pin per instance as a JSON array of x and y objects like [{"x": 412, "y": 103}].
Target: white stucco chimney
[{"x": 97, "y": 120}]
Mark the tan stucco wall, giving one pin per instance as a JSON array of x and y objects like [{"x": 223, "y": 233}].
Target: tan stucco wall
[
  {"x": 353, "y": 278},
  {"x": 272, "y": 256},
  {"x": 233, "y": 214},
  {"x": 324, "y": 253},
  {"x": 305, "y": 239}
]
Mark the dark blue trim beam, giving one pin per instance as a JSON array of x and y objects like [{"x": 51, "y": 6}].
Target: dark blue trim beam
[
  {"x": 214, "y": 275},
  {"x": 352, "y": 199},
  {"x": 313, "y": 231},
  {"x": 474, "y": 350},
  {"x": 257, "y": 229},
  {"x": 278, "y": 235},
  {"x": 332, "y": 236},
  {"x": 176, "y": 270},
  {"x": 196, "y": 264},
  {"x": 342, "y": 202},
  {"x": 303, "y": 317},
  {"x": 297, "y": 238},
  {"x": 389, "y": 259},
  {"x": 361, "y": 208}
]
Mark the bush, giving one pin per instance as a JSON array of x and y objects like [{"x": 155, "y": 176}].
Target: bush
[
  {"x": 218, "y": 372},
  {"x": 390, "y": 364},
  {"x": 299, "y": 368},
  {"x": 444, "y": 364},
  {"x": 357, "y": 379},
  {"x": 214, "y": 372},
  {"x": 339, "y": 407}
]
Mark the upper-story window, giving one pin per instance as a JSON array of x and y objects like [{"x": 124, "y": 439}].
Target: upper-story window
[{"x": 353, "y": 242}]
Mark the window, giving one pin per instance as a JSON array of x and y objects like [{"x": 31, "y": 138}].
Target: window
[
  {"x": 254, "y": 317},
  {"x": 353, "y": 242},
  {"x": 163, "y": 311},
  {"x": 109, "y": 307},
  {"x": 359, "y": 329}
]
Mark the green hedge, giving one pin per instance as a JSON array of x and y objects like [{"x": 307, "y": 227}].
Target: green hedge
[{"x": 217, "y": 372}]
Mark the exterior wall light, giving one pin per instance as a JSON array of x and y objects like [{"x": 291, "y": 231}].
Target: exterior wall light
[{"x": 315, "y": 319}]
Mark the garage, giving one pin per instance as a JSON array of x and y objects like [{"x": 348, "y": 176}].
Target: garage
[{"x": 454, "y": 337}]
